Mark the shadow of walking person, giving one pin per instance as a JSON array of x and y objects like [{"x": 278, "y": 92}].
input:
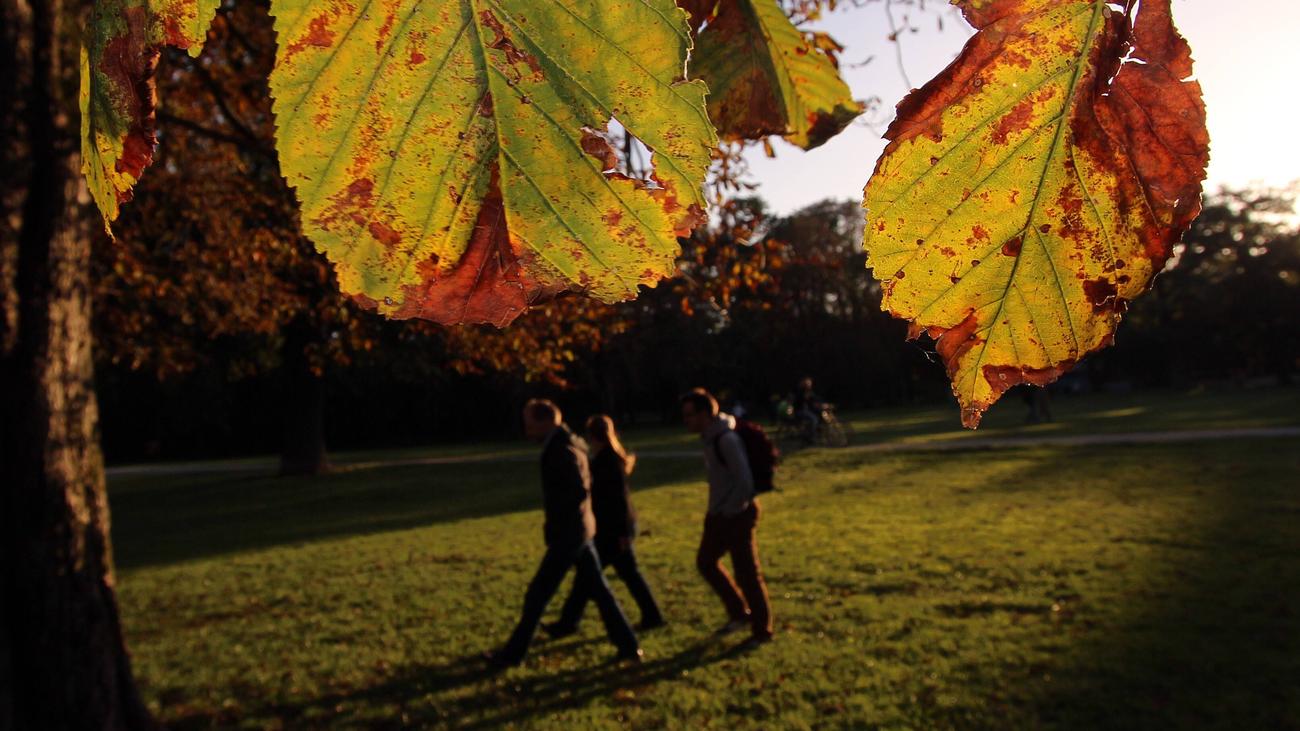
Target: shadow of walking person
[{"x": 468, "y": 693}]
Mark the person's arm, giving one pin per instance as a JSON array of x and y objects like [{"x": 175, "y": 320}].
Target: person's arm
[
  {"x": 742, "y": 479},
  {"x": 574, "y": 478}
]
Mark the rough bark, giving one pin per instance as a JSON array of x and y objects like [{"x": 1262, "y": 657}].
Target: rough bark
[{"x": 61, "y": 645}]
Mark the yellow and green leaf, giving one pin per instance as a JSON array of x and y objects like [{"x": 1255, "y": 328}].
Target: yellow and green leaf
[
  {"x": 450, "y": 160},
  {"x": 765, "y": 76},
  {"x": 118, "y": 58},
  {"x": 1036, "y": 186}
]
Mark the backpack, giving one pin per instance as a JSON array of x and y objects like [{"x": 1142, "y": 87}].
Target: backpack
[{"x": 762, "y": 454}]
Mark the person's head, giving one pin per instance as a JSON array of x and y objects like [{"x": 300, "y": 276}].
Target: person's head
[
  {"x": 805, "y": 384},
  {"x": 699, "y": 409},
  {"x": 602, "y": 435},
  {"x": 541, "y": 417}
]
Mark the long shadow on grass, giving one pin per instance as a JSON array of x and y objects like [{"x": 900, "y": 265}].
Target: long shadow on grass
[
  {"x": 1213, "y": 642},
  {"x": 1211, "y": 635},
  {"x": 467, "y": 693},
  {"x": 1196, "y": 619},
  {"x": 160, "y": 520}
]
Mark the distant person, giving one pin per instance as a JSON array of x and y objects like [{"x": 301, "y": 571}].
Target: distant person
[
  {"x": 731, "y": 520},
  {"x": 807, "y": 408},
  {"x": 1040, "y": 407},
  {"x": 568, "y": 530},
  {"x": 611, "y": 502}
]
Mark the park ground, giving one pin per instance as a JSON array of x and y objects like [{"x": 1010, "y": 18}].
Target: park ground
[{"x": 1051, "y": 585}]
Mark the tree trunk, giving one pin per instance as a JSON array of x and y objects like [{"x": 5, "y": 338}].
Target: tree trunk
[
  {"x": 63, "y": 655},
  {"x": 303, "y": 450}
]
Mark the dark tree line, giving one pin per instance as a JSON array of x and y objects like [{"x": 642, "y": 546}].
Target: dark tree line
[
  {"x": 1228, "y": 309},
  {"x": 760, "y": 302}
]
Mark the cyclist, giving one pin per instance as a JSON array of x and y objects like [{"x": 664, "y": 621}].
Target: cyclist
[{"x": 808, "y": 408}]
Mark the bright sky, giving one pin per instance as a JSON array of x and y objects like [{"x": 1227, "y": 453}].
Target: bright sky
[{"x": 1246, "y": 58}]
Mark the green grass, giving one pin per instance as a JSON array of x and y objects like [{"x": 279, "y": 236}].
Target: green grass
[
  {"x": 1082, "y": 588},
  {"x": 1140, "y": 411}
]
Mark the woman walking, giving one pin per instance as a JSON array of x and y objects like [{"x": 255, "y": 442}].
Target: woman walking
[{"x": 611, "y": 503}]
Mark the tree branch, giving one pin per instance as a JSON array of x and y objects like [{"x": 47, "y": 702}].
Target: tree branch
[
  {"x": 253, "y": 147},
  {"x": 219, "y": 96}
]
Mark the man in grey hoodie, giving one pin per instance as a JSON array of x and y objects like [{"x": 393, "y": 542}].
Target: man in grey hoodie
[{"x": 732, "y": 519}]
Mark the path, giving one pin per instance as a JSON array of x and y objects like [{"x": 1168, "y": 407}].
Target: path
[{"x": 270, "y": 465}]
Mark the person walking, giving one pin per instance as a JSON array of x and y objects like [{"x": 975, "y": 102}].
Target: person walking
[
  {"x": 731, "y": 521},
  {"x": 611, "y": 503},
  {"x": 568, "y": 531}
]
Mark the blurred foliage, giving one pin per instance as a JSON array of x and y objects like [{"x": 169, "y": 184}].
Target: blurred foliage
[
  {"x": 211, "y": 264},
  {"x": 195, "y": 299},
  {"x": 1226, "y": 307}
]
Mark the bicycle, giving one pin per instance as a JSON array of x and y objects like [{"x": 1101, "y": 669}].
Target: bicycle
[{"x": 829, "y": 431}]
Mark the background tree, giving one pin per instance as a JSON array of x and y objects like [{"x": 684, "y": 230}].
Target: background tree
[
  {"x": 765, "y": 300},
  {"x": 1225, "y": 308},
  {"x": 211, "y": 269}
]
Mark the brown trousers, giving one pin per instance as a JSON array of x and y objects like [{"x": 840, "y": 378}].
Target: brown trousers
[{"x": 736, "y": 535}]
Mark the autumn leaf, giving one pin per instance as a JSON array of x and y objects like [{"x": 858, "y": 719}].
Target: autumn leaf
[
  {"x": 123, "y": 41},
  {"x": 450, "y": 157},
  {"x": 765, "y": 76},
  {"x": 1036, "y": 186}
]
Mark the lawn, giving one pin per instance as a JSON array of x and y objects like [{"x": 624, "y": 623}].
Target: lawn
[{"x": 1049, "y": 587}]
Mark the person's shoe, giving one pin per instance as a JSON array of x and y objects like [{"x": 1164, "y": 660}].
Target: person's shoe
[
  {"x": 754, "y": 641},
  {"x": 731, "y": 627},
  {"x": 649, "y": 624},
  {"x": 556, "y": 631},
  {"x": 499, "y": 660},
  {"x": 635, "y": 656}
]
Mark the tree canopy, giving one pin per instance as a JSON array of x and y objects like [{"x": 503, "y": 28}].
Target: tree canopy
[{"x": 454, "y": 161}]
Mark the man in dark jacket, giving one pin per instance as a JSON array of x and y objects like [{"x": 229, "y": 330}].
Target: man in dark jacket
[
  {"x": 568, "y": 530},
  {"x": 611, "y": 502}
]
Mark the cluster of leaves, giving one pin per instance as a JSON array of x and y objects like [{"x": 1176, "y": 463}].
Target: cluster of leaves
[
  {"x": 765, "y": 76},
  {"x": 1036, "y": 186},
  {"x": 454, "y": 160},
  {"x": 211, "y": 249}
]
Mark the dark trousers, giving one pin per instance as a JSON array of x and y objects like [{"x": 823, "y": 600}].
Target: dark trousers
[
  {"x": 555, "y": 564},
  {"x": 736, "y": 535},
  {"x": 624, "y": 563}
]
